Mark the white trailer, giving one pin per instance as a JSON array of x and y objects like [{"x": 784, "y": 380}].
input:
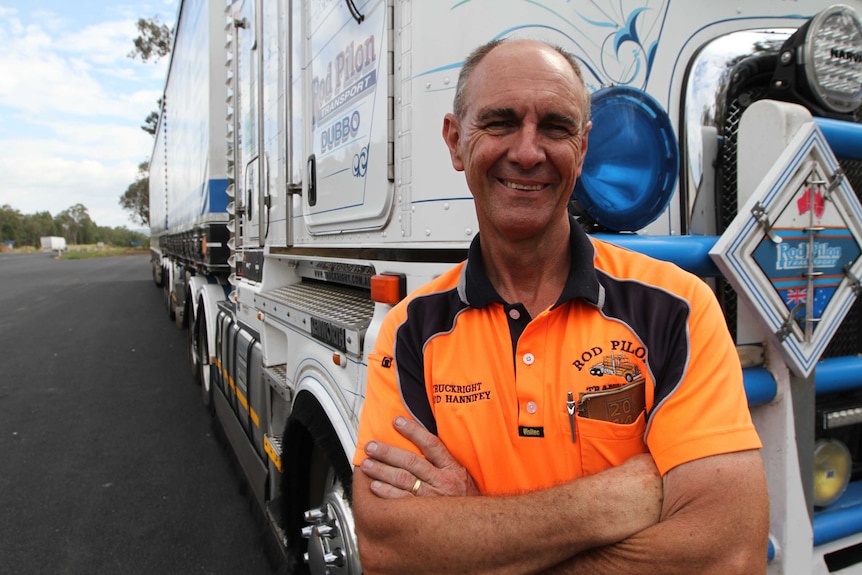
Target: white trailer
[
  {"x": 53, "y": 244},
  {"x": 300, "y": 187}
]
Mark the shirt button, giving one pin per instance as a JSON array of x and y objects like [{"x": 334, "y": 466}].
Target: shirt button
[
  {"x": 514, "y": 314},
  {"x": 529, "y": 359},
  {"x": 532, "y": 407}
]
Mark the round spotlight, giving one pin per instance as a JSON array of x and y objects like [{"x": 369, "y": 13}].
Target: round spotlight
[
  {"x": 832, "y": 57},
  {"x": 832, "y": 467},
  {"x": 632, "y": 160}
]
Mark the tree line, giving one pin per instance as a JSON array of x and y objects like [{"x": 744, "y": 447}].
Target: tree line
[{"x": 74, "y": 224}]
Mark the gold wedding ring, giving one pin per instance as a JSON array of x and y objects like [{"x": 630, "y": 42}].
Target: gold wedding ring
[{"x": 416, "y": 486}]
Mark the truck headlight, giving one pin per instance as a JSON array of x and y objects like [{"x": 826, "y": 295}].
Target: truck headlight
[
  {"x": 842, "y": 417},
  {"x": 832, "y": 468},
  {"x": 833, "y": 58},
  {"x": 821, "y": 64}
]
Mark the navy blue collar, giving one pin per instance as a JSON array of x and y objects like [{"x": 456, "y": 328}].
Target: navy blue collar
[{"x": 477, "y": 291}]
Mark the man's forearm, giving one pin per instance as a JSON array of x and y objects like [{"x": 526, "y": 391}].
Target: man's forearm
[
  {"x": 653, "y": 553},
  {"x": 517, "y": 534},
  {"x": 703, "y": 530}
]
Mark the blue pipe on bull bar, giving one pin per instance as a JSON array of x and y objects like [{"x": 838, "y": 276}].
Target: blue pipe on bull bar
[{"x": 843, "y": 137}]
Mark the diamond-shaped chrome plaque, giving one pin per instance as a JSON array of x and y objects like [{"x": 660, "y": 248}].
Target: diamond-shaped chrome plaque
[{"x": 794, "y": 248}]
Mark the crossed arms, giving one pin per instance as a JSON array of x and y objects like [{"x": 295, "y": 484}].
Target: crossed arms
[{"x": 706, "y": 516}]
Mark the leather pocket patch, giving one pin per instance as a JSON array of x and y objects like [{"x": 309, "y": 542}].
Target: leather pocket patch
[{"x": 622, "y": 405}]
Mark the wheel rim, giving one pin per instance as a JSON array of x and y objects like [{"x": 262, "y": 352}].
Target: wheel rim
[
  {"x": 202, "y": 355},
  {"x": 206, "y": 383},
  {"x": 332, "y": 547},
  {"x": 194, "y": 344}
]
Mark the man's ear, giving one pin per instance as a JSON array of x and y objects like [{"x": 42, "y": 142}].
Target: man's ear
[
  {"x": 452, "y": 137},
  {"x": 585, "y": 141}
]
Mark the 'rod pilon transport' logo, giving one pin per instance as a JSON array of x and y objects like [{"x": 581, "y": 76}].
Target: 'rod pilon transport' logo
[
  {"x": 801, "y": 255},
  {"x": 616, "y": 362},
  {"x": 344, "y": 77}
]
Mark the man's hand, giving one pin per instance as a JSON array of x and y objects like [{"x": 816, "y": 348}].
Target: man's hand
[{"x": 396, "y": 473}]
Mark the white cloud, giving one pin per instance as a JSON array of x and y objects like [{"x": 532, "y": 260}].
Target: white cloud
[
  {"x": 53, "y": 183},
  {"x": 72, "y": 103}
]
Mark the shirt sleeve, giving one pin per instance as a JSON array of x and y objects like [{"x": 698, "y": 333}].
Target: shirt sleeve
[
  {"x": 383, "y": 401},
  {"x": 707, "y": 413}
]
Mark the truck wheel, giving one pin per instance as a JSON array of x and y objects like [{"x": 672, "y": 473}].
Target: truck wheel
[
  {"x": 169, "y": 304},
  {"x": 193, "y": 340},
  {"x": 204, "y": 369},
  {"x": 316, "y": 489}
]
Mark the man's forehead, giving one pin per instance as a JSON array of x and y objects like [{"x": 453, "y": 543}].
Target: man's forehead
[
  {"x": 550, "y": 101},
  {"x": 532, "y": 66},
  {"x": 529, "y": 54}
]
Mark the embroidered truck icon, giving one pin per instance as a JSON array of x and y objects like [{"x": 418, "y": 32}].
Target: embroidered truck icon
[{"x": 617, "y": 365}]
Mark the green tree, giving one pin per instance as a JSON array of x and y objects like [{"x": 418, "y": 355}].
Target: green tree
[
  {"x": 77, "y": 226},
  {"x": 10, "y": 223},
  {"x": 38, "y": 225},
  {"x": 151, "y": 123},
  {"x": 154, "y": 40},
  {"x": 136, "y": 199}
]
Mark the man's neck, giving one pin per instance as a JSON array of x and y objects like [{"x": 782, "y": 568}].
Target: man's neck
[{"x": 533, "y": 273}]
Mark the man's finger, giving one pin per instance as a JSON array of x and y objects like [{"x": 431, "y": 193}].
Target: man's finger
[{"x": 428, "y": 443}]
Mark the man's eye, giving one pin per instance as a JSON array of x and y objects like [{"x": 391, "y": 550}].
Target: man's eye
[
  {"x": 559, "y": 131},
  {"x": 498, "y": 124}
]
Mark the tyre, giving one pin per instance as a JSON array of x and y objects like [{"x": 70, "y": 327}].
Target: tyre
[
  {"x": 316, "y": 489},
  {"x": 193, "y": 341},
  {"x": 169, "y": 303},
  {"x": 157, "y": 275},
  {"x": 204, "y": 369}
]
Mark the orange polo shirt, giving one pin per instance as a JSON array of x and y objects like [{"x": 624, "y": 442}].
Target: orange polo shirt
[{"x": 505, "y": 392}]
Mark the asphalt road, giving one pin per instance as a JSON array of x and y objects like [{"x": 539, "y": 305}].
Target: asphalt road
[{"x": 108, "y": 461}]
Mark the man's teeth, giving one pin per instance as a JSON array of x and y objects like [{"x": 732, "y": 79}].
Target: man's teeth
[{"x": 523, "y": 187}]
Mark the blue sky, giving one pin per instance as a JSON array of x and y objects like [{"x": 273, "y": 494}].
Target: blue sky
[{"x": 72, "y": 103}]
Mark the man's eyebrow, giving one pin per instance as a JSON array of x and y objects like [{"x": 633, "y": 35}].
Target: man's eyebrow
[
  {"x": 492, "y": 113},
  {"x": 509, "y": 113},
  {"x": 565, "y": 119}
]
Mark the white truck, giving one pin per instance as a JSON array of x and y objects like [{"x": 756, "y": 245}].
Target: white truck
[
  {"x": 53, "y": 244},
  {"x": 299, "y": 187}
]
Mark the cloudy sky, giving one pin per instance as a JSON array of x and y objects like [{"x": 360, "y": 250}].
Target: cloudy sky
[{"x": 72, "y": 103}]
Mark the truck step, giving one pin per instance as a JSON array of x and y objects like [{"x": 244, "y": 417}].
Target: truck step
[
  {"x": 277, "y": 377},
  {"x": 335, "y": 315},
  {"x": 273, "y": 446}
]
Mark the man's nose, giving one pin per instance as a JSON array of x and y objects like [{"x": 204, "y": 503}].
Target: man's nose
[{"x": 526, "y": 147}]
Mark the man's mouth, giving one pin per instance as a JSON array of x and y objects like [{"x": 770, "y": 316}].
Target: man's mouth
[{"x": 522, "y": 187}]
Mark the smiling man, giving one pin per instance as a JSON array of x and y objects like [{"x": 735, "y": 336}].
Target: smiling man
[{"x": 487, "y": 443}]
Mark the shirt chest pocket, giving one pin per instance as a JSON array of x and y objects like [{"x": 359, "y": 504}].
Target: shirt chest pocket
[{"x": 604, "y": 444}]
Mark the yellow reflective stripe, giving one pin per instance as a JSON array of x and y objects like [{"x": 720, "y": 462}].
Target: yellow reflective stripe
[
  {"x": 243, "y": 401},
  {"x": 271, "y": 452}
]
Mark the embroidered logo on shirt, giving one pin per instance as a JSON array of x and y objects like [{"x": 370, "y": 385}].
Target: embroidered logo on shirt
[
  {"x": 460, "y": 393},
  {"x": 623, "y": 361},
  {"x": 386, "y": 362}
]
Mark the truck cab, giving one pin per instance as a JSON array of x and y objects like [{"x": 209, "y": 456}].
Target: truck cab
[{"x": 299, "y": 188}]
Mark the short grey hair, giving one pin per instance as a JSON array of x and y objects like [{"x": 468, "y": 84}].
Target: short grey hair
[{"x": 477, "y": 55}]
